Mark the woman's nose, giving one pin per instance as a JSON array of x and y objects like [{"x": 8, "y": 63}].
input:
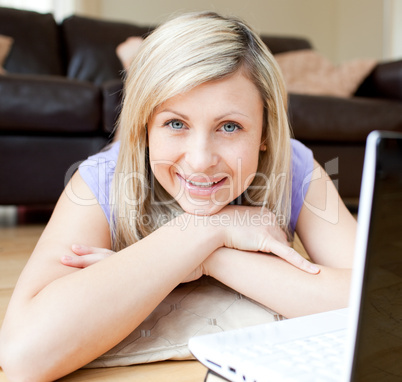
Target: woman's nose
[{"x": 201, "y": 154}]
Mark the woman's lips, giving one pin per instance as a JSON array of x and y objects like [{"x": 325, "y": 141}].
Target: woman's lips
[{"x": 199, "y": 186}]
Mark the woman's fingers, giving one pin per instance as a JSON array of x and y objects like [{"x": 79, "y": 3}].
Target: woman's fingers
[
  {"x": 84, "y": 256},
  {"x": 259, "y": 231},
  {"x": 83, "y": 261},
  {"x": 291, "y": 256},
  {"x": 86, "y": 250}
]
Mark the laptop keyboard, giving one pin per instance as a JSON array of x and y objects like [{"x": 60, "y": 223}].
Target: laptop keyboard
[{"x": 318, "y": 358}]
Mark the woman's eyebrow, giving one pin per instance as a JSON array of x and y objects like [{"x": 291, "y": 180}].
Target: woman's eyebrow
[
  {"x": 173, "y": 112},
  {"x": 219, "y": 117},
  {"x": 231, "y": 113}
]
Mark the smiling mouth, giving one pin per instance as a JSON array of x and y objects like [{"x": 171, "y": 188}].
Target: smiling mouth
[{"x": 202, "y": 185}]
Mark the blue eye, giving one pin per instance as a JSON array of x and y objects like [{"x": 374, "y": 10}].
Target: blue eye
[
  {"x": 175, "y": 124},
  {"x": 230, "y": 127}
]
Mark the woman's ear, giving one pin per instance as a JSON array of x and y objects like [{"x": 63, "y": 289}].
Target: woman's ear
[{"x": 263, "y": 147}]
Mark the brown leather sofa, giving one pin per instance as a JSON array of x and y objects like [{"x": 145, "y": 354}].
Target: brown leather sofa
[
  {"x": 337, "y": 128},
  {"x": 61, "y": 96},
  {"x": 54, "y": 99}
]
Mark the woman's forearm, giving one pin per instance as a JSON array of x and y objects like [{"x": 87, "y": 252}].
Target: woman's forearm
[
  {"x": 58, "y": 313},
  {"x": 279, "y": 285},
  {"x": 81, "y": 315}
]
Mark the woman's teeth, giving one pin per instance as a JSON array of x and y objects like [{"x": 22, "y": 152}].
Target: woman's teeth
[{"x": 201, "y": 184}]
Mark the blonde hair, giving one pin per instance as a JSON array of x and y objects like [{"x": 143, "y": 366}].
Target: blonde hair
[{"x": 181, "y": 54}]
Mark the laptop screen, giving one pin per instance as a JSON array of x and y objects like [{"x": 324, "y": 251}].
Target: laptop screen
[{"x": 378, "y": 353}]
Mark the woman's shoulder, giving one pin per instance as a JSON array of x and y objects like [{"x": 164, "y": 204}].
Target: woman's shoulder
[
  {"x": 300, "y": 152},
  {"x": 109, "y": 153},
  {"x": 302, "y": 160},
  {"x": 302, "y": 169},
  {"x": 106, "y": 158},
  {"x": 97, "y": 172}
]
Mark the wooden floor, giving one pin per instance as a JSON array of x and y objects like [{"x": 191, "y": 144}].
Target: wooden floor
[{"x": 16, "y": 245}]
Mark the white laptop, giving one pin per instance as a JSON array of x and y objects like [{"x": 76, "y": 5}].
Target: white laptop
[{"x": 360, "y": 343}]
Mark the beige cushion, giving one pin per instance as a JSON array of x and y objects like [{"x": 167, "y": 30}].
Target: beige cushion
[
  {"x": 5, "y": 46},
  {"x": 308, "y": 72},
  {"x": 200, "y": 307},
  {"x": 127, "y": 50}
]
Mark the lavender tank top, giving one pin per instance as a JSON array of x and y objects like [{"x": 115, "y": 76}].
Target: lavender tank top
[{"x": 98, "y": 170}]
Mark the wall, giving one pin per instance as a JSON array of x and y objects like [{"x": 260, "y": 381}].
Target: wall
[
  {"x": 285, "y": 17},
  {"x": 360, "y": 29},
  {"x": 339, "y": 29},
  {"x": 393, "y": 29},
  {"x": 396, "y": 50}
]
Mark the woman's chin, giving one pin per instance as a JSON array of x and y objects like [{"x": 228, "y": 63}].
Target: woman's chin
[{"x": 210, "y": 209}]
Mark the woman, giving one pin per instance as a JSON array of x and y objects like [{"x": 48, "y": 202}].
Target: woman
[{"x": 202, "y": 179}]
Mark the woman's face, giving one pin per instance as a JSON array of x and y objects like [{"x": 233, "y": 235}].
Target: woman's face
[{"x": 204, "y": 144}]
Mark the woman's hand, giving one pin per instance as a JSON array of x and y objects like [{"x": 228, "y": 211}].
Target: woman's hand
[
  {"x": 255, "y": 229},
  {"x": 246, "y": 228},
  {"x": 85, "y": 256}
]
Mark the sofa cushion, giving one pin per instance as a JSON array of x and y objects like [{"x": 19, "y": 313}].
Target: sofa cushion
[
  {"x": 37, "y": 168},
  {"x": 49, "y": 104},
  {"x": 385, "y": 81},
  {"x": 91, "y": 47},
  {"x": 112, "y": 92},
  {"x": 36, "y": 47},
  {"x": 309, "y": 72},
  {"x": 203, "y": 306},
  {"x": 349, "y": 120},
  {"x": 281, "y": 44}
]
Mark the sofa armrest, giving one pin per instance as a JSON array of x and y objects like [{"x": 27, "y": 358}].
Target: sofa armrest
[
  {"x": 385, "y": 81},
  {"x": 112, "y": 92},
  {"x": 54, "y": 104}
]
